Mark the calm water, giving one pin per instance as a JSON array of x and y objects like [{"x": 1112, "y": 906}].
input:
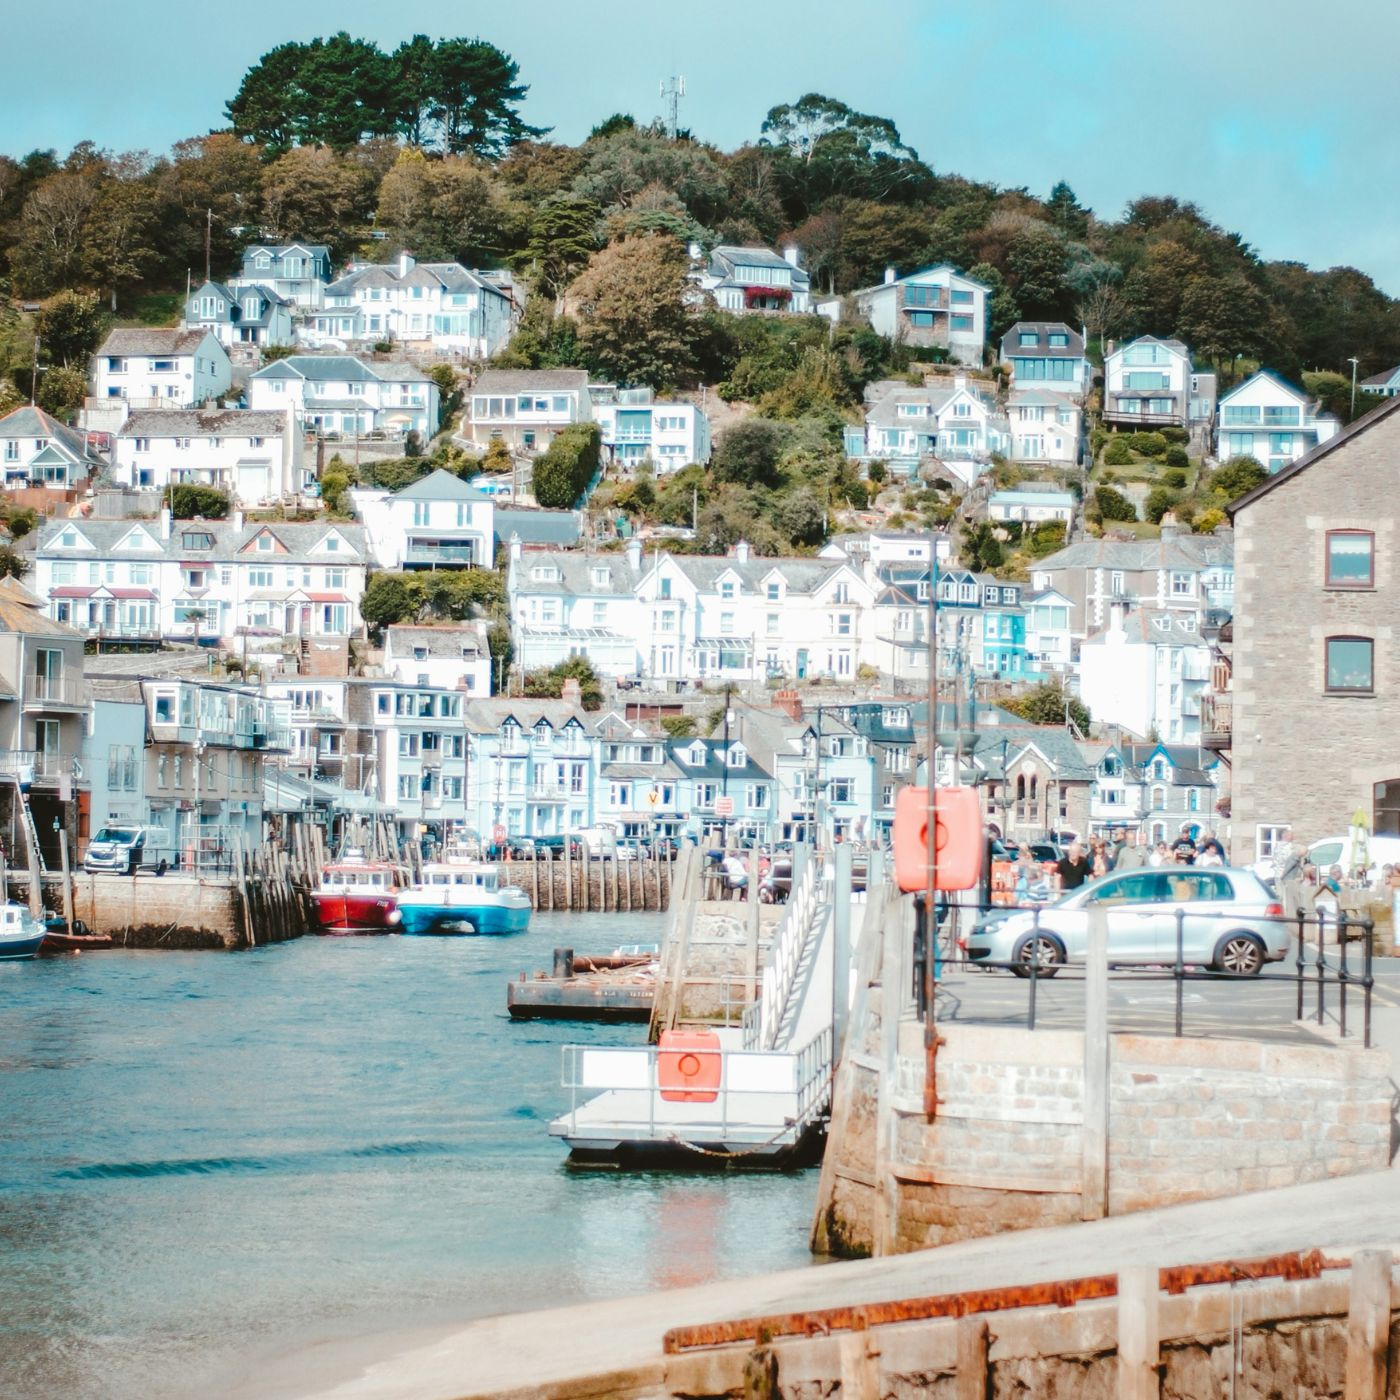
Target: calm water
[{"x": 203, "y": 1155}]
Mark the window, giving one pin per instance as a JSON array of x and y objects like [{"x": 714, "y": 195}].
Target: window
[
  {"x": 1183, "y": 586},
  {"x": 1267, "y": 839},
  {"x": 1351, "y": 559},
  {"x": 1350, "y": 666},
  {"x": 197, "y": 540},
  {"x": 756, "y": 797},
  {"x": 774, "y": 592},
  {"x": 259, "y": 578},
  {"x": 841, "y": 790}
]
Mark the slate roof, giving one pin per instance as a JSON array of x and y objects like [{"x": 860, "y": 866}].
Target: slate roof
[
  {"x": 299, "y": 539},
  {"x": 1175, "y": 552},
  {"x": 714, "y": 766},
  {"x": 446, "y": 643},
  {"x": 450, "y": 276},
  {"x": 152, "y": 341},
  {"x": 559, "y": 527},
  {"x": 909, "y": 277},
  {"x": 344, "y": 368},
  {"x": 1177, "y": 345},
  {"x": 1011, "y": 346},
  {"x": 885, "y": 412},
  {"x": 30, "y": 618},
  {"x": 439, "y": 485},
  {"x": 1188, "y": 761},
  {"x": 487, "y": 716},
  {"x": 1060, "y": 748},
  {"x": 576, "y": 574},
  {"x": 31, "y": 422},
  {"x": 1047, "y": 398},
  {"x": 228, "y": 422},
  {"x": 1385, "y": 377},
  {"x": 524, "y": 381},
  {"x": 1155, "y": 626}
]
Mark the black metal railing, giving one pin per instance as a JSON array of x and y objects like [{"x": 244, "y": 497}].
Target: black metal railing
[{"x": 1317, "y": 969}]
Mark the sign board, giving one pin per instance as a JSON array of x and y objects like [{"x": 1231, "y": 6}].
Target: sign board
[
  {"x": 724, "y": 806},
  {"x": 653, "y": 797},
  {"x": 498, "y": 833}
]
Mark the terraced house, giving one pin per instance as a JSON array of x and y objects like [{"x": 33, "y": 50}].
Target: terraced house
[
  {"x": 37, "y": 450},
  {"x": 340, "y": 394}
]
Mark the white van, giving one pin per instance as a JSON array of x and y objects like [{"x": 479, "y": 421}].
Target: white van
[
  {"x": 123, "y": 848},
  {"x": 1337, "y": 850}
]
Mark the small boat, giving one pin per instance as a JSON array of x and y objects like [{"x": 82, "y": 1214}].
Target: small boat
[
  {"x": 355, "y": 895},
  {"x": 21, "y": 934},
  {"x": 59, "y": 938},
  {"x": 460, "y": 897}
]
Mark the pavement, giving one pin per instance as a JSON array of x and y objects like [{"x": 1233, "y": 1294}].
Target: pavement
[{"x": 526, "y": 1354}]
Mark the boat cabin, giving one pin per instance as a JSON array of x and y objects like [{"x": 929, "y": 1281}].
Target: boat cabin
[
  {"x": 354, "y": 877},
  {"x": 483, "y": 877}
]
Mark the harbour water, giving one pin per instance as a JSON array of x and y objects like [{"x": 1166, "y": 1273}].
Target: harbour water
[{"x": 205, "y": 1157}]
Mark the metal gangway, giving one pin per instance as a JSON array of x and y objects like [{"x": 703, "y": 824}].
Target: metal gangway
[{"x": 767, "y": 1082}]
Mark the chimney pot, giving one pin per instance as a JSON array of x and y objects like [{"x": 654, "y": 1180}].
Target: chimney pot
[
  {"x": 793, "y": 254},
  {"x": 634, "y": 553},
  {"x": 571, "y": 690}
]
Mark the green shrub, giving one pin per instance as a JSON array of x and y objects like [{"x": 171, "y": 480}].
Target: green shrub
[
  {"x": 1113, "y": 505},
  {"x": 186, "y": 500},
  {"x": 1159, "y": 501},
  {"x": 1176, "y": 457},
  {"x": 877, "y": 472},
  {"x": 562, "y": 474},
  {"x": 1178, "y": 435},
  {"x": 1206, "y": 522},
  {"x": 1118, "y": 453},
  {"x": 334, "y": 488},
  {"x": 857, "y": 493},
  {"x": 1149, "y": 444},
  {"x": 1240, "y": 474},
  {"x": 1174, "y": 477}
]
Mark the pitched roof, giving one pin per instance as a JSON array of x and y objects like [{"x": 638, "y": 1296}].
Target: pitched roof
[
  {"x": 30, "y": 421},
  {"x": 1364, "y": 424},
  {"x": 1384, "y": 377},
  {"x": 228, "y": 422},
  {"x": 1011, "y": 345},
  {"x": 1183, "y": 551},
  {"x": 923, "y": 271},
  {"x": 228, "y": 541},
  {"x": 575, "y": 570},
  {"x": 448, "y": 642},
  {"x": 152, "y": 340},
  {"x": 439, "y": 485},
  {"x": 485, "y": 716},
  {"x": 559, "y": 527},
  {"x": 523, "y": 381},
  {"x": 342, "y": 368}
]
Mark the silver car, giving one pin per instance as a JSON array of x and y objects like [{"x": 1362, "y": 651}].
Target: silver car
[{"x": 1230, "y": 923}]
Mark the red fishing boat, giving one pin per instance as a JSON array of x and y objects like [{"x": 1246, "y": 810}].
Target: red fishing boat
[{"x": 356, "y": 895}]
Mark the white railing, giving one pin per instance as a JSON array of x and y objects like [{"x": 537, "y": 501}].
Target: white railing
[
  {"x": 804, "y": 904},
  {"x": 771, "y": 1093}
]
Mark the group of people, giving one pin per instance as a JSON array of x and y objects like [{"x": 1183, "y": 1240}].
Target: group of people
[{"x": 1105, "y": 854}]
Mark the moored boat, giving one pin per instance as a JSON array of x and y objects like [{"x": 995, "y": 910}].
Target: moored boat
[
  {"x": 21, "y": 934},
  {"x": 355, "y": 895},
  {"x": 463, "y": 897},
  {"x": 59, "y": 938}
]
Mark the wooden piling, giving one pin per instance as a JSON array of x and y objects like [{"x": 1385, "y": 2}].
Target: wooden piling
[{"x": 67, "y": 879}]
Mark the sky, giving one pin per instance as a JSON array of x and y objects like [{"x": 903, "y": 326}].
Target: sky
[{"x": 1263, "y": 112}]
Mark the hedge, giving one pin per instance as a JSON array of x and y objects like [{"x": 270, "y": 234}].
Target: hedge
[{"x": 567, "y": 466}]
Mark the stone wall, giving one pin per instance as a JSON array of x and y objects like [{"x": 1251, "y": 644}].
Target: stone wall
[
  {"x": 1301, "y": 756},
  {"x": 1187, "y": 1120},
  {"x": 170, "y": 911}
]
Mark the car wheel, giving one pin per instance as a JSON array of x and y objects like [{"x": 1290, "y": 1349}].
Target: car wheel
[
  {"x": 1239, "y": 955},
  {"x": 1043, "y": 950}
]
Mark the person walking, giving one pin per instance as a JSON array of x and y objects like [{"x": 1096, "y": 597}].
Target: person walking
[
  {"x": 1073, "y": 867},
  {"x": 1288, "y": 874},
  {"x": 1129, "y": 855},
  {"x": 1184, "y": 848}
]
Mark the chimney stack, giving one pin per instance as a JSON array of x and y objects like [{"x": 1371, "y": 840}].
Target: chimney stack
[
  {"x": 889, "y": 275},
  {"x": 1170, "y": 527},
  {"x": 571, "y": 690},
  {"x": 742, "y": 552},
  {"x": 236, "y": 517},
  {"x": 790, "y": 702},
  {"x": 634, "y": 554},
  {"x": 513, "y": 546},
  {"x": 793, "y": 254},
  {"x": 165, "y": 522},
  {"x": 406, "y": 262}
]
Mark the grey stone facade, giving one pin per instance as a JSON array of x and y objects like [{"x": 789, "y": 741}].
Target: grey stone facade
[{"x": 1304, "y": 757}]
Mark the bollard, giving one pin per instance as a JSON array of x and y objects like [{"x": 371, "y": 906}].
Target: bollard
[{"x": 564, "y": 963}]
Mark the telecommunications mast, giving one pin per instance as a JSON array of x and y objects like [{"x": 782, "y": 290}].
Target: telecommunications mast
[{"x": 672, "y": 90}]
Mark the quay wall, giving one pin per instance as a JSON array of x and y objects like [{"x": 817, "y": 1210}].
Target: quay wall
[{"x": 605, "y": 885}]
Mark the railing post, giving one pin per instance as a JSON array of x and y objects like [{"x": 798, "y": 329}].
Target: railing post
[
  {"x": 1321, "y": 968},
  {"x": 1035, "y": 968},
  {"x": 1301, "y": 963},
  {"x": 1367, "y": 981},
  {"x": 1342, "y": 936},
  {"x": 1179, "y": 971}
]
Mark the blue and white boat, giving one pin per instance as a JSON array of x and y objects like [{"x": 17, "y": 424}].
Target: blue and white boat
[
  {"x": 20, "y": 933},
  {"x": 460, "y": 898}
]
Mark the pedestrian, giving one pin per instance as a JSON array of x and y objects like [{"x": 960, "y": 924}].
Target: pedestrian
[
  {"x": 1210, "y": 845},
  {"x": 1130, "y": 856},
  {"x": 1288, "y": 874},
  {"x": 1184, "y": 848},
  {"x": 1160, "y": 855},
  {"x": 1098, "y": 859},
  {"x": 1073, "y": 868}
]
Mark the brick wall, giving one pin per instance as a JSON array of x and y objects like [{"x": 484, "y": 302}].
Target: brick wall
[{"x": 1301, "y": 756}]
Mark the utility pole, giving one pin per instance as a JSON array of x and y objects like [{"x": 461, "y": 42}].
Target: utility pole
[
  {"x": 930, "y": 969},
  {"x": 208, "y": 240},
  {"x": 1352, "y": 361},
  {"x": 34, "y": 376}
]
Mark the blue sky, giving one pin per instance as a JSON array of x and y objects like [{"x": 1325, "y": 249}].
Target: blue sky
[{"x": 1274, "y": 118}]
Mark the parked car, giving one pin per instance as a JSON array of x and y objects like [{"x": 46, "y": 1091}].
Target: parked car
[
  {"x": 123, "y": 850},
  {"x": 553, "y": 848},
  {"x": 1232, "y": 924}
]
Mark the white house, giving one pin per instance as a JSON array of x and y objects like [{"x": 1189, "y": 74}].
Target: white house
[
  {"x": 436, "y": 522},
  {"x": 450, "y": 656},
  {"x": 953, "y": 419},
  {"x": 161, "y": 368},
  {"x": 525, "y": 408},
  {"x": 340, "y": 394},
  {"x": 256, "y": 456},
  {"x": 1386, "y": 384},
  {"x": 1147, "y": 671},
  {"x": 1044, "y": 426},
  {"x": 1150, "y": 383},
  {"x": 1048, "y": 355},
  {"x": 1266, "y": 418},
  {"x": 247, "y": 315},
  {"x": 1031, "y": 502},
  {"x": 440, "y": 305},
  {"x": 938, "y": 307},
  {"x": 37, "y": 450},
  {"x": 201, "y": 580},
  {"x": 1050, "y": 631},
  {"x": 636, "y": 428},
  {"x": 297, "y": 272},
  {"x": 745, "y": 280}
]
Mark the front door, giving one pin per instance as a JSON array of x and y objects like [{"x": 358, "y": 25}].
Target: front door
[{"x": 801, "y": 663}]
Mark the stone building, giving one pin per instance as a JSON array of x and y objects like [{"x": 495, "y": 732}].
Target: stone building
[{"x": 1316, "y": 677}]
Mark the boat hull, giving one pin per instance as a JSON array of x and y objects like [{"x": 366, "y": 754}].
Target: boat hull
[
  {"x": 356, "y": 913},
  {"x": 458, "y": 919},
  {"x": 18, "y": 949}
]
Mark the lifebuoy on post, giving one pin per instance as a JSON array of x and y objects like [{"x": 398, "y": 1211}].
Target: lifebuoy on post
[
  {"x": 958, "y": 849},
  {"x": 688, "y": 1066}
]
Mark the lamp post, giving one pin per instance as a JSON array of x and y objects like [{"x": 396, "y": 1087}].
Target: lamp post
[{"x": 1351, "y": 360}]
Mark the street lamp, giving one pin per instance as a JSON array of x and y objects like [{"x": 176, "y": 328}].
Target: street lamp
[{"x": 1351, "y": 360}]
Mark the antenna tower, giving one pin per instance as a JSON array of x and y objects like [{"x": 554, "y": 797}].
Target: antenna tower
[{"x": 672, "y": 90}]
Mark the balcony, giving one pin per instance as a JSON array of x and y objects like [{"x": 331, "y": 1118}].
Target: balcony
[
  {"x": 54, "y": 693},
  {"x": 453, "y": 556},
  {"x": 1217, "y": 721},
  {"x": 33, "y": 765},
  {"x": 550, "y": 792}
]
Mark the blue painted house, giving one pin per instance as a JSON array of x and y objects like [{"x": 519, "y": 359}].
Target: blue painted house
[{"x": 248, "y": 315}]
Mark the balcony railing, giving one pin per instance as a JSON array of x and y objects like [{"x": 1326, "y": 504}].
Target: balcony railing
[
  {"x": 1217, "y": 721},
  {"x": 440, "y": 554},
  {"x": 30, "y": 764},
  {"x": 549, "y": 792},
  {"x": 60, "y": 692}
]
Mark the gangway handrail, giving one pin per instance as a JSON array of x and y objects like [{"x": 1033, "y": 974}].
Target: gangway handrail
[{"x": 780, "y": 976}]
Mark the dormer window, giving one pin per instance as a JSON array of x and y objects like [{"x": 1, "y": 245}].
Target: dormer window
[
  {"x": 736, "y": 757},
  {"x": 775, "y": 591},
  {"x": 265, "y": 544},
  {"x": 420, "y": 653},
  {"x": 602, "y": 577},
  {"x": 697, "y": 756},
  {"x": 68, "y": 539},
  {"x": 726, "y": 589},
  {"x": 197, "y": 539}
]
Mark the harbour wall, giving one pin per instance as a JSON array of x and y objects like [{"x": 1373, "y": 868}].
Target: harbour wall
[{"x": 603, "y": 884}]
